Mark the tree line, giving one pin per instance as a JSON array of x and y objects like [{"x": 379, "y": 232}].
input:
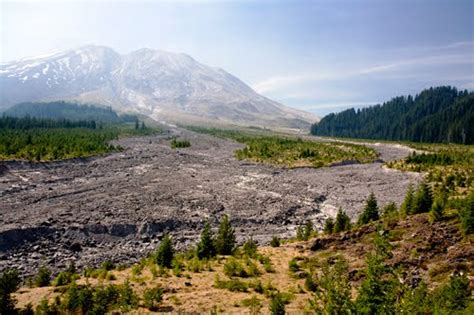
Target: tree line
[{"x": 441, "y": 114}]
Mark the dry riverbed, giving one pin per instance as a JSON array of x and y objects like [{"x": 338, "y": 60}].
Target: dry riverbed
[{"x": 117, "y": 207}]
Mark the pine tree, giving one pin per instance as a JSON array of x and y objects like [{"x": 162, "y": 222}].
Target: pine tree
[
  {"x": 165, "y": 252},
  {"x": 437, "y": 211},
  {"x": 467, "y": 214},
  {"x": 370, "y": 212},
  {"x": 308, "y": 230},
  {"x": 225, "y": 240},
  {"x": 423, "y": 199},
  {"x": 407, "y": 206},
  {"x": 343, "y": 222},
  {"x": 205, "y": 248},
  {"x": 9, "y": 283},
  {"x": 329, "y": 226},
  {"x": 377, "y": 291}
]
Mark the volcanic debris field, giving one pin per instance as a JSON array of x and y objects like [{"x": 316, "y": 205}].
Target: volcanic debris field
[{"x": 118, "y": 206}]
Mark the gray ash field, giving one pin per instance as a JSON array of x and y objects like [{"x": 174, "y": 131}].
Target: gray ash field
[{"x": 118, "y": 206}]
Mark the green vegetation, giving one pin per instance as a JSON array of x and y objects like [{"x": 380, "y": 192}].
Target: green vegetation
[
  {"x": 165, "y": 252},
  {"x": 343, "y": 222},
  {"x": 9, "y": 283},
  {"x": 175, "y": 143},
  {"x": 292, "y": 152},
  {"x": 43, "y": 278},
  {"x": 61, "y": 110},
  {"x": 370, "y": 212},
  {"x": 275, "y": 242},
  {"x": 206, "y": 249},
  {"x": 306, "y": 231},
  {"x": 152, "y": 298},
  {"x": 225, "y": 239},
  {"x": 382, "y": 291},
  {"x": 44, "y": 139},
  {"x": 439, "y": 114}
]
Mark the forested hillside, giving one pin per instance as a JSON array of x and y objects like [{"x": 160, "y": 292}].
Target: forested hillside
[
  {"x": 68, "y": 110},
  {"x": 441, "y": 114}
]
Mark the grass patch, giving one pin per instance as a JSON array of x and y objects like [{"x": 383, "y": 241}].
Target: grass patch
[{"x": 292, "y": 152}]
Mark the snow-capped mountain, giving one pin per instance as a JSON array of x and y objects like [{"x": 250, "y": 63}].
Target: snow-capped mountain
[{"x": 167, "y": 86}]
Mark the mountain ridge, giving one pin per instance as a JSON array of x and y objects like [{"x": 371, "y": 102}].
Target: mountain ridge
[{"x": 167, "y": 86}]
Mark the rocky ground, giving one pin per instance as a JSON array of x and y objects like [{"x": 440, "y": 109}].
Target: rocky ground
[{"x": 116, "y": 207}]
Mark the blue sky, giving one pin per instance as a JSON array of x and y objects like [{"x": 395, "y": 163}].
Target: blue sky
[{"x": 320, "y": 56}]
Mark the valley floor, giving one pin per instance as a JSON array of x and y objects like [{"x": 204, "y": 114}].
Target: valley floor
[{"x": 116, "y": 207}]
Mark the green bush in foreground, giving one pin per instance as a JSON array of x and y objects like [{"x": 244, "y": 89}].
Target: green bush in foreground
[
  {"x": 370, "y": 212},
  {"x": 152, "y": 298},
  {"x": 165, "y": 252},
  {"x": 225, "y": 239},
  {"x": 43, "y": 278}
]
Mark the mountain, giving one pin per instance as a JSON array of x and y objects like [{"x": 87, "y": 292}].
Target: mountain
[
  {"x": 167, "y": 86},
  {"x": 441, "y": 114}
]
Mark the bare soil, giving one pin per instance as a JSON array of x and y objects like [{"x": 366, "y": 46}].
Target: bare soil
[{"x": 118, "y": 206}]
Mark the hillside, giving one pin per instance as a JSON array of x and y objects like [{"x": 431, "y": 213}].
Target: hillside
[
  {"x": 328, "y": 269},
  {"x": 440, "y": 114},
  {"x": 167, "y": 86}
]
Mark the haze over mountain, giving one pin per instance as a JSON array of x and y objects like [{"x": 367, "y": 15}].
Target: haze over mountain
[{"x": 167, "y": 86}]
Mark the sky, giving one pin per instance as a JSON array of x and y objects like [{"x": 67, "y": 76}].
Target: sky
[{"x": 319, "y": 56}]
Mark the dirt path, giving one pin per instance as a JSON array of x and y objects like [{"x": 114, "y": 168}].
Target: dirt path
[{"x": 117, "y": 206}]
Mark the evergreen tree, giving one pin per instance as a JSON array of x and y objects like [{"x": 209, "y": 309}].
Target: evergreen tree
[
  {"x": 308, "y": 230},
  {"x": 370, "y": 212},
  {"x": 407, "y": 206},
  {"x": 43, "y": 278},
  {"x": 343, "y": 222},
  {"x": 165, "y": 252},
  {"x": 423, "y": 199},
  {"x": 467, "y": 214},
  {"x": 437, "y": 211},
  {"x": 333, "y": 292},
  {"x": 377, "y": 293},
  {"x": 329, "y": 226},
  {"x": 9, "y": 283},
  {"x": 225, "y": 240},
  {"x": 205, "y": 248}
]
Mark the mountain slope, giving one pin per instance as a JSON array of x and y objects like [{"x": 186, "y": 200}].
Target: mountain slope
[
  {"x": 167, "y": 86},
  {"x": 439, "y": 114}
]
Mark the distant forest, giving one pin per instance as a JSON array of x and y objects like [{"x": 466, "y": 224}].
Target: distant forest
[
  {"x": 70, "y": 111},
  {"x": 441, "y": 114}
]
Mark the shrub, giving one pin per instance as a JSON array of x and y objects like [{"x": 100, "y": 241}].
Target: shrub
[
  {"x": 43, "y": 277},
  {"x": 225, "y": 240},
  {"x": 343, "y": 222},
  {"x": 293, "y": 265},
  {"x": 180, "y": 143},
  {"x": 370, "y": 212},
  {"x": 329, "y": 226},
  {"x": 423, "y": 199},
  {"x": 205, "y": 248},
  {"x": 108, "y": 265},
  {"x": 152, "y": 297},
  {"x": 128, "y": 299},
  {"x": 275, "y": 242},
  {"x": 437, "y": 211},
  {"x": 453, "y": 296},
  {"x": 407, "y": 205},
  {"x": 467, "y": 214},
  {"x": 250, "y": 248},
  {"x": 233, "y": 268},
  {"x": 254, "y": 304},
  {"x": 310, "y": 284},
  {"x": 165, "y": 252},
  {"x": 305, "y": 231},
  {"x": 277, "y": 305},
  {"x": 333, "y": 295}
]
